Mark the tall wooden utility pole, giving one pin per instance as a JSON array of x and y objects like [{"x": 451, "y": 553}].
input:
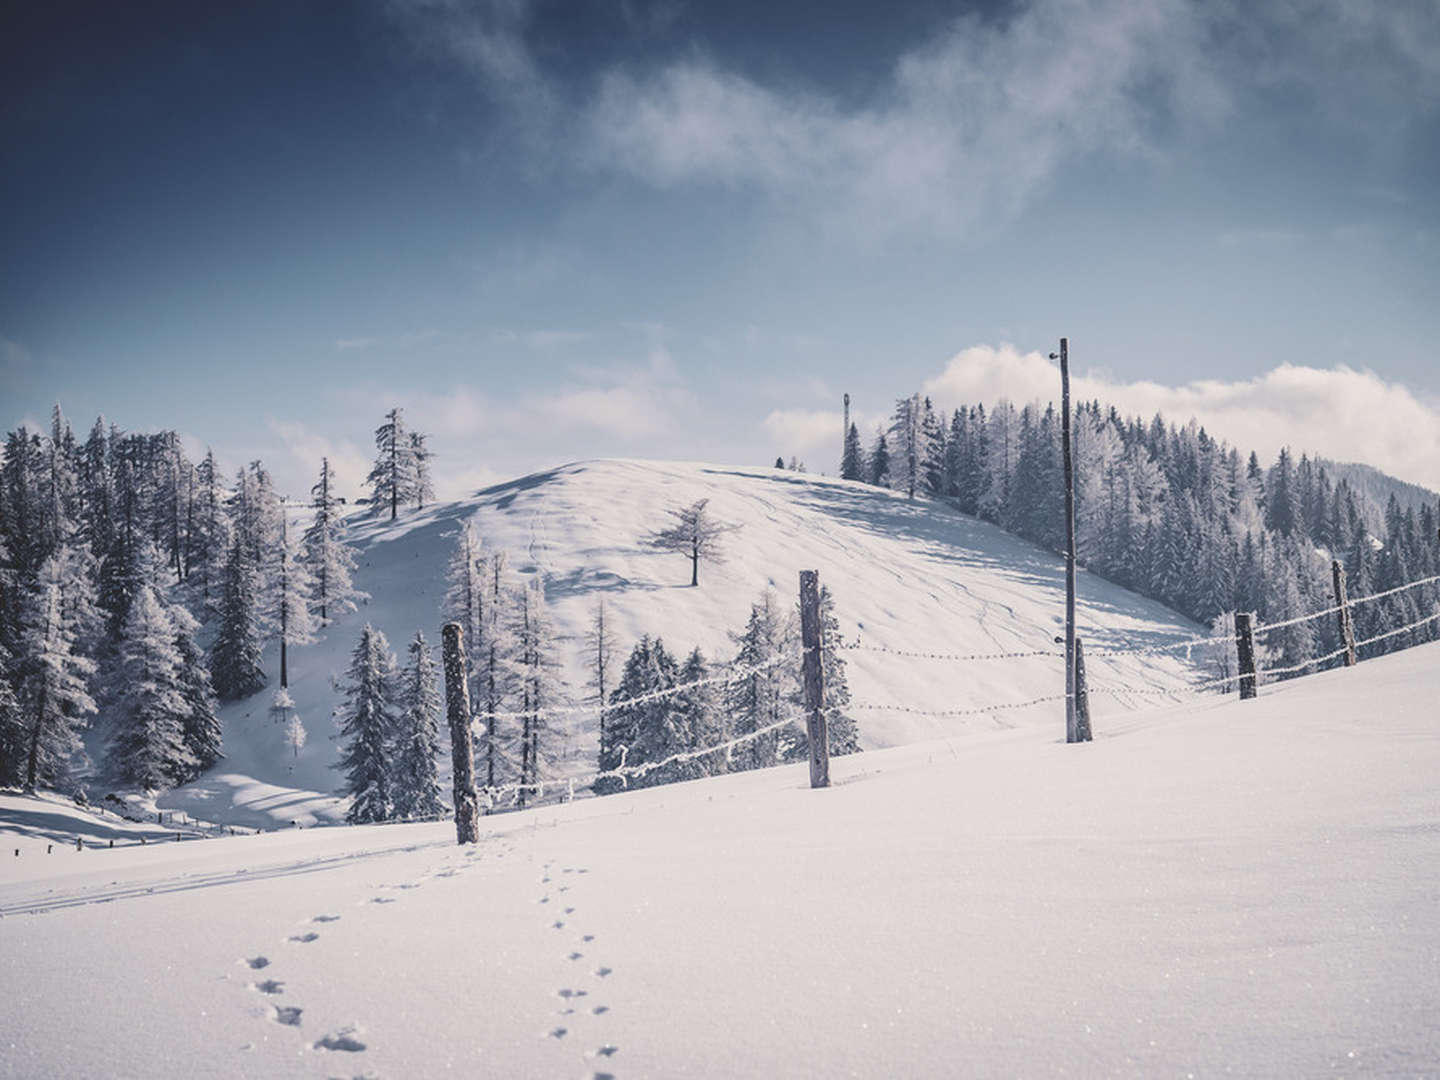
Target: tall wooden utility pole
[{"x": 1072, "y": 732}]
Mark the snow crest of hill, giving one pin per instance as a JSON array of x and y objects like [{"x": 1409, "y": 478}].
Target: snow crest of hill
[{"x": 906, "y": 575}]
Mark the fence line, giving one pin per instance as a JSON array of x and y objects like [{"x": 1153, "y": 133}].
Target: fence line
[
  {"x": 958, "y": 657},
  {"x": 1350, "y": 603},
  {"x": 639, "y": 699}
]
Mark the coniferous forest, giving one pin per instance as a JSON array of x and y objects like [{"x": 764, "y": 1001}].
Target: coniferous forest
[{"x": 141, "y": 588}]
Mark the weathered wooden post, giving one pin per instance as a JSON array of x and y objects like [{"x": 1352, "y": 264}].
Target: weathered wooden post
[
  {"x": 1082, "y": 696},
  {"x": 1245, "y": 652},
  {"x": 462, "y": 750},
  {"x": 1347, "y": 628},
  {"x": 813, "y": 670},
  {"x": 1071, "y": 724}
]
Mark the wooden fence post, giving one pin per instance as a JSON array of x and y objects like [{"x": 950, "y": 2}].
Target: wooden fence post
[
  {"x": 1245, "y": 652},
  {"x": 1347, "y": 628},
  {"x": 811, "y": 637},
  {"x": 462, "y": 750},
  {"x": 1082, "y": 696}
]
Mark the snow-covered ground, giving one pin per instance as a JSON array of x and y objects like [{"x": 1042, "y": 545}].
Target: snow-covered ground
[
  {"x": 1211, "y": 888},
  {"x": 906, "y": 575}
]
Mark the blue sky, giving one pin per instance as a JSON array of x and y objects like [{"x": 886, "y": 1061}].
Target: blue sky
[{"x": 554, "y": 231}]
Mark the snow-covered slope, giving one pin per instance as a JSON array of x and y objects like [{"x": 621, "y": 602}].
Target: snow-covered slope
[
  {"x": 1220, "y": 888},
  {"x": 905, "y": 575}
]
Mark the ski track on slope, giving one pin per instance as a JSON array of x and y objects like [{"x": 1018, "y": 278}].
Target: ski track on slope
[{"x": 57, "y": 901}]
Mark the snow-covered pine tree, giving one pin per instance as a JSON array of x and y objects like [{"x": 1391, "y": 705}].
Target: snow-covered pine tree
[
  {"x": 672, "y": 725},
  {"x": 368, "y": 723},
  {"x": 907, "y": 442},
  {"x": 536, "y": 666},
  {"x": 695, "y": 534},
  {"x": 392, "y": 479},
  {"x": 208, "y": 538},
  {"x": 493, "y": 674},
  {"x": 649, "y": 669},
  {"x": 879, "y": 463},
  {"x": 149, "y": 747},
  {"x": 464, "y": 601},
  {"x": 202, "y": 725},
  {"x": 700, "y": 722},
  {"x": 852, "y": 458},
  {"x": 55, "y": 699},
  {"x": 12, "y": 724},
  {"x": 763, "y": 687},
  {"x": 932, "y": 451},
  {"x": 599, "y": 659},
  {"x": 235, "y": 658},
  {"x": 420, "y": 486},
  {"x": 842, "y": 733},
  {"x": 329, "y": 559},
  {"x": 414, "y": 780},
  {"x": 291, "y": 587}
]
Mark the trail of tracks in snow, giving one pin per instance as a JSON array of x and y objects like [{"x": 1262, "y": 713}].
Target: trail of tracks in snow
[{"x": 104, "y": 894}]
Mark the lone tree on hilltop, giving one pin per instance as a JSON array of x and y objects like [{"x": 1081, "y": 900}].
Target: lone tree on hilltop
[{"x": 695, "y": 534}]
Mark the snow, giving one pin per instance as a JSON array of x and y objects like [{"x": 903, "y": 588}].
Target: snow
[
  {"x": 1213, "y": 887},
  {"x": 909, "y": 575}
]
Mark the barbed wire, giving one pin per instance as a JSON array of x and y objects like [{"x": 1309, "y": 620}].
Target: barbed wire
[
  {"x": 623, "y": 772},
  {"x": 731, "y": 675},
  {"x": 1350, "y": 603},
  {"x": 856, "y": 646},
  {"x": 973, "y": 711},
  {"x": 1402, "y": 630}
]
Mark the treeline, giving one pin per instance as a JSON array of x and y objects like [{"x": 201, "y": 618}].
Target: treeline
[
  {"x": 1170, "y": 512},
  {"x": 652, "y": 707},
  {"x": 141, "y": 586}
]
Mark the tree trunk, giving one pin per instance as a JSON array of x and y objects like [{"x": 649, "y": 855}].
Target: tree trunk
[
  {"x": 812, "y": 638},
  {"x": 462, "y": 751}
]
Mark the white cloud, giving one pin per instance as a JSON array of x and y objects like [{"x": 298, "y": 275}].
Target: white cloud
[
  {"x": 1338, "y": 413},
  {"x": 297, "y": 466}
]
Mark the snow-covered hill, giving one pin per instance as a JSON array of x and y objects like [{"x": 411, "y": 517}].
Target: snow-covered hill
[
  {"x": 1221, "y": 888},
  {"x": 905, "y": 575}
]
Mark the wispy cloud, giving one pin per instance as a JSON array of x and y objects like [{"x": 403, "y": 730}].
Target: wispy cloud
[
  {"x": 970, "y": 125},
  {"x": 1339, "y": 413}
]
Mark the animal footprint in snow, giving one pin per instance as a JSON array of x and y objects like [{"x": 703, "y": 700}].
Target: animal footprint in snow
[
  {"x": 305, "y": 938},
  {"x": 603, "y": 971},
  {"x": 588, "y": 937},
  {"x": 606, "y": 1051},
  {"x": 382, "y": 899},
  {"x": 255, "y": 963},
  {"x": 575, "y": 955},
  {"x": 599, "y": 1010},
  {"x": 556, "y": 1033},
  {"x": 269, "y": 986},
  {"x": 569, "y": 911},
  {"x": 567, "y": 993},
  {"x": 287, "y": 1014},
  {"x": 326, "y": 918},
  {"x": 557, "y": 925},
  {"x": 344, "y": 1039}
]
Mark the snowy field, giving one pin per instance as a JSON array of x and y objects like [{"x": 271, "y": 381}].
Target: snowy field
[
  {"x": 905, "y": 575},
  {"x": 1217, "y": 888}
]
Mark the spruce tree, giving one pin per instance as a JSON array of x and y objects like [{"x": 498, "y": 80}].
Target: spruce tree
[
  {"x": 235, "y": 658},
  {"x": 55, "y": 699},
  {"x": 329, "y": 559},
  {"x": 149, "y": 748},
  {"x": 852, "y": 459},
  {"x": 756, "y": 699},
  {"x": 368, "y": 723},
  {"x": 290, "y": 613},
  {"x": 415, "y": 784},
  {"x": 202, "y": 731},
  {"x": 649, "y": 669}
]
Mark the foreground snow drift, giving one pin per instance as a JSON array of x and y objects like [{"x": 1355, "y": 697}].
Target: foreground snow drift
[{"x": 1224, "y": 888}]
